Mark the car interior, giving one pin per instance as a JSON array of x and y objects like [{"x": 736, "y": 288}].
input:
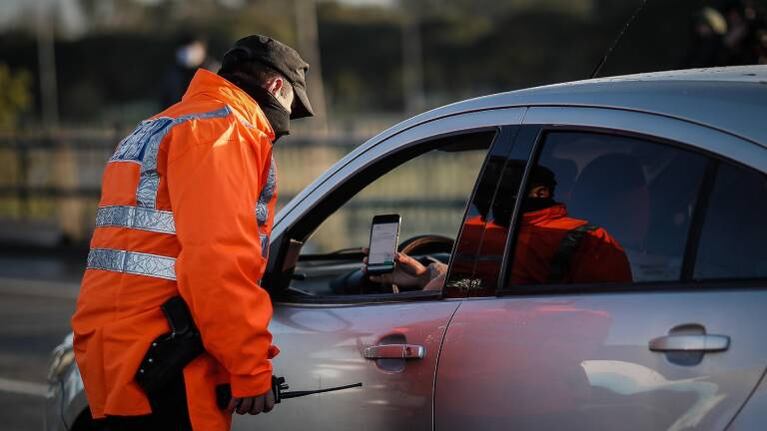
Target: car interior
[
  {"x": 427, "y": 183},
  {"x": 642, "y": 192}
]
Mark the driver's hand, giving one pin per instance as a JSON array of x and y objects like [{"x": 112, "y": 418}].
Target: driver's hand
[{"x": 408, "y": 273}]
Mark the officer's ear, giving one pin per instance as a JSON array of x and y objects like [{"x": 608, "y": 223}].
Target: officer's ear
[{"x": 274, "y": 85}]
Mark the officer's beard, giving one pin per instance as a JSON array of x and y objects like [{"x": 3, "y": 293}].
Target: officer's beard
[{"x": 278, "y": 116}]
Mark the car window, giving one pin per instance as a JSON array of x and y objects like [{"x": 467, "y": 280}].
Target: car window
[
  {"x": 428, "y": 190},
  {"x": 601, "y": 208},
  {"x": 733, "y": 237},
  {"x": 479, "y": 253}
]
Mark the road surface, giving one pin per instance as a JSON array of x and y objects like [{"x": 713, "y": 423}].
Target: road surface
[{"x": 37, "y": 299}]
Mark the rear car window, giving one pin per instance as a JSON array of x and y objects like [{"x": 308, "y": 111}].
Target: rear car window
[
  {"x": 622, "y": 213},
  {"x": 733, "y": 242}
]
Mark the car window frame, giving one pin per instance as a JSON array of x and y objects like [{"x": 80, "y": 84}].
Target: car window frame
[
  {"x": 686, "y": 281},
  {"x": 338, "y": 197},
  {"x": 510, "y": 139}
]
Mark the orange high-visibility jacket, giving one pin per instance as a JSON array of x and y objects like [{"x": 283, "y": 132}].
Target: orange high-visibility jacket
[
  {"x": 186, "y": 208},
  {"x": 598, "y": 259}
]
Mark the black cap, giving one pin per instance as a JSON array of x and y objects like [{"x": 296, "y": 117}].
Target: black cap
[
  {"x": 279, "y": 57},
  {"x": 542, "y": 176}
]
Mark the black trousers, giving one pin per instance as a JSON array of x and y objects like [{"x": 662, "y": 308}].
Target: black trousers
[{"x": 169, "y": 412}]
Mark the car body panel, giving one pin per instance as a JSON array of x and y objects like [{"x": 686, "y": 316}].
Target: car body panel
[
  {"x": 53, "y": 419},
  {"x": 719, "y": 106},
  {"x": 73, "y": 395},
  {"x": 325, "y": 349},
  {"x": 753, "y": 416},
  {"x": 582, "y": 362},
  {"x": 66, "y": 399}
]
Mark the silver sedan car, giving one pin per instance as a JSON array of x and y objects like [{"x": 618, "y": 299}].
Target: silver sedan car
[{"x": 672, "y": 165}]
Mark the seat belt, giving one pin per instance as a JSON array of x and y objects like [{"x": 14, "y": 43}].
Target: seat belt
[{"x": 560, "y": 263}]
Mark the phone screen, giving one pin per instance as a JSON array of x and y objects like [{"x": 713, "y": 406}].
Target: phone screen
[{"x": 383, "y": 245}]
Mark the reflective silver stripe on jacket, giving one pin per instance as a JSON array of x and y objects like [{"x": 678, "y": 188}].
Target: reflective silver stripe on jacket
[
  {"x": 262, "y": 207},
  {"x": 136, "y": 218},
  {"x": 131, "y": 262},
  {"x": 142, "y": 146},
  {"x": 264, "y": 245}
]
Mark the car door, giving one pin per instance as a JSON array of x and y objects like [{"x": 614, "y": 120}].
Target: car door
[
  {"x": 677, "y": 346},
  {"x": 334, "y": 331}
]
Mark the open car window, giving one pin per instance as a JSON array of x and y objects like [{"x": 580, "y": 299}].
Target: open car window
[{"x": 427, "y": 185}]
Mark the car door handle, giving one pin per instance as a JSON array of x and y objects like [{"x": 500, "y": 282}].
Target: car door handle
[
  {"x": 394, "y": 351},
  {"x": 690, "y": 343}
]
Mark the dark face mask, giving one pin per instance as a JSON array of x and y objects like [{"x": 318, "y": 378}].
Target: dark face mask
[
  {"x": 278, "y": 116},
  {"x": 536, "y": 204}
]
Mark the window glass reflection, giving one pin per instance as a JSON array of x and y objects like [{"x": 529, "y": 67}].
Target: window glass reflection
[
  {"x": 605, "y": 209},
  {"x": 732, "y": 243}
]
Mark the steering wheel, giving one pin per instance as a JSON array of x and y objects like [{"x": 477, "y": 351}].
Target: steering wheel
[{"x": 428, "y": 246}]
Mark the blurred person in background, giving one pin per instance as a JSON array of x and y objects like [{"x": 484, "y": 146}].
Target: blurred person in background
[
  {"x": 737, "y": 38},
  {"x": 707, "y": 49},
  {"x": 188, "y": 200},
  {"x": 732, "y": 35},
  {"x": 191, "y": 53},
  {"x": 762, "y": 48}
]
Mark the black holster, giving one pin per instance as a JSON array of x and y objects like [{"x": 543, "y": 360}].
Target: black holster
[{"x": 171, "y": 352}]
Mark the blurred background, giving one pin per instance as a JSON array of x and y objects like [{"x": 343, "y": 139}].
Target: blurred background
[{"x": 77, "y": 75}]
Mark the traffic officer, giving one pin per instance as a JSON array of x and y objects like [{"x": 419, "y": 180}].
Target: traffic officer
[{"x": 187, "y": 205}]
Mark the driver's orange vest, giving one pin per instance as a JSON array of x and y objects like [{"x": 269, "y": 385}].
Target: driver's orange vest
[
  {"x": 187, "y": 205},
  {"x": 599, "y": 258}
]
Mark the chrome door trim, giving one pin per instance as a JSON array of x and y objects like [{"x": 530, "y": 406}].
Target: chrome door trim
[
  {"x": 394, "y": 351},
  {"x": 686, "y": 132},
  {"x": 690, "y": 343}
]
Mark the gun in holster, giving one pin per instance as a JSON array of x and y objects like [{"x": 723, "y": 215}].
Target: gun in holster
[{"x": 170, "y": 352}]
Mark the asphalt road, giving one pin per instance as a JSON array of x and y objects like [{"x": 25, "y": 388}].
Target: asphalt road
[{"x": 37, "y": 299}]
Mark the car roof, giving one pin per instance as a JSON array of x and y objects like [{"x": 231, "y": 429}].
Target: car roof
[{"x": 731, "y": 99}]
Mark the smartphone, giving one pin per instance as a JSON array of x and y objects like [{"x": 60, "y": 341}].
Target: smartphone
[{"x": 384, "y": 236}]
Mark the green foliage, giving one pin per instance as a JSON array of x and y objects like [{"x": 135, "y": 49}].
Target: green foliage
[{"x": 15, "y": 96}]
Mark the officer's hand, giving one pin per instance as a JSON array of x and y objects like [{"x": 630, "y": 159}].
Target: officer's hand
[{"x": 252, "y": 405}]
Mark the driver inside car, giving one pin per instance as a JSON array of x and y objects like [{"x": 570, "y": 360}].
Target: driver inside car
[{"x": 552, "y": 248}]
